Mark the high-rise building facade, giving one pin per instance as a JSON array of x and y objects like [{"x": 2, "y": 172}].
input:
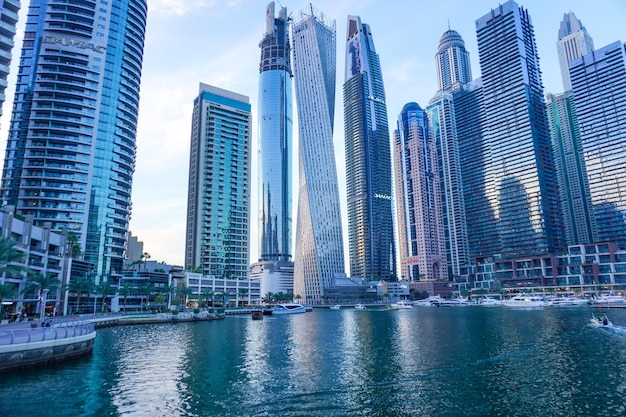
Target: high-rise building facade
[
  {"x": 578, "y": 220},
  {"x": 453, "y": 74},
  {"x": 218, "y": 206},
  {"x": 274, "y": 268},
  {"x": 418, "y": 198},
  {"x": 275, "y": 138},
  {"x": 319, "y": 243},
  {"x": 573, "y": 42},
  {"x": 70, "y": 153},
  {"x": 520, "y": 179},
  {"x": 8, "y": 15},
  {"x": 599, "y": 88},
  {"x": 368, "y": 159}
]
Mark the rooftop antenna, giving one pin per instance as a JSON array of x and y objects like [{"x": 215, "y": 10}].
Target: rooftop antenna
[{"x": 448, "y": 24}]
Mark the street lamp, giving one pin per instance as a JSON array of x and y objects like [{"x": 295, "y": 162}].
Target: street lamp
[
  {"x": 42, "y": 308},
  {"x": 95, "y": 299}
]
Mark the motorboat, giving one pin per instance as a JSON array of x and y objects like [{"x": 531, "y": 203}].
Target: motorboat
[
  {"x": 570, "y": 300},
  {"x": 608, "y": 299},
  {"x": 526, "y": 301},
  {"x": 392, "y": 307},
  {"x": 257, "y": 314},
  {"x": 402, "y": 305},
  {"x": 428, "y": 302},
  {"x": 335, "y": 307},
  {"x": 360, "y": 307},
  {"x": 287, "y": 308},
  {"x": 488, "y": 302},
  {"x": 451, "y": 302},
  {"x": 602, "y": 321}
]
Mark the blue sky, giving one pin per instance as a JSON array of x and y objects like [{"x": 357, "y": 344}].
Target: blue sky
[{"x": 216, "y": 42}]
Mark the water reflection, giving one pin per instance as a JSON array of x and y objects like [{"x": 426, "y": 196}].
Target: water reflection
[{"x": 150, "y": 372}]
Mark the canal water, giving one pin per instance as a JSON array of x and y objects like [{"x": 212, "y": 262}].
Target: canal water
[{"x": 466, "y": 361}]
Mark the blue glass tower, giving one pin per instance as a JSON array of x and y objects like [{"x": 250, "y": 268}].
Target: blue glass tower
[
  {"x": 319, "y": 242},
  {"x": 71, "y": 148},
  {"x": 599, "y": 87},
  {"x": 368, "y": 159},
  {"x": 8, "y": 15},
  {"x": 275, "y": 139},
  {"x": 218, "y": 205},
  {"x": 520, "y": 179}
]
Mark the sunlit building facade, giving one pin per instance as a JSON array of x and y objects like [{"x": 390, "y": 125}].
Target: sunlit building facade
[
  {"x": 418, "y": 198},
  {"x": 70, "y": 153},
  {"x": 218, "y": 199},
  {"x": 319, "y": 243},
  {"x": 574, "y": 41},
  {"x": 368, "y": 159},
  {"x": 453, "y": 75},
  {"x": 599, "y": 87},
  {"x": 8, "y": 15},
  {"x": 520, "y": 179}
]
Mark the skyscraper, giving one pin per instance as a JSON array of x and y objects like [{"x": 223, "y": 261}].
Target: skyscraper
[
  {"x": 275, "y": 267},
  {"x": 599, "y": 87},
  {"x": 578, "y": 220},
  {"x": 8, "y": 15},
  {"x": 520, "y": 179},
  {"x": 418, "y": 198},
  {"x": 218, "y": 205},
  {"x": 574, "y": 42},
  {"x": 368, "y": 159},
  {"x": 453, "y": 74},
  {"x": 319, "y": 243},
  {"x": 71, "y": 148},
  {"x": 275, "y": 138}
]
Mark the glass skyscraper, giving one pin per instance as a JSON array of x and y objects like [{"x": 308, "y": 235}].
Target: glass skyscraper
[
  {"x": 520, "y": 179},
  {"x": 218, "y": 205},
  {"x": 8, "y": 16},
  {"x": 599, "y": 87},
  {"x": 71, "y": 148},
  {"x": 275, "y": 266},
  {"x": 275, "y": 139},
  {"x": 418, "y": 198},
  {"x": 453, "y": 75},
  {"x": 574, "y": 42},
  {"x": 368, "y": 159},
  {"x": 319, "y": 243}
]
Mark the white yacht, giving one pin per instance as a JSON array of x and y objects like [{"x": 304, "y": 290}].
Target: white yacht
[
  {"x": 452, "y": 302},
  {"x": 402, "y": 305},
  {"x": 488, "y": 302},
  {"x": 569, "y": 300},
  {"x": 287, "y": 308},
  {"x": 360, "y": 307},
  {"x": 608, "y": 299},
  {"x": 526, "y": 301},
  {"x": 429, "y": 302},
  {"x": 335, "y": 307}
]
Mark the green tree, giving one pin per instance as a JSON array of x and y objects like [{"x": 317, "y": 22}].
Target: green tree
[
  {"x": 170, "y": 290},
  {"x": 242, "y": 292},
  {"x": 73, "y": 247},
  {"x": 145, "y": 256},
  {"x": 184, "y": 293},
  {"x": 125, "y": 290},
  {"x": 298, "y": 298},
  {"x": 9, "y": 255},
  {"x": 104, "y": 289},
  {"x": 80, "y": 286},
  {"x": 40, "y": 282},
  {"x": 208, "y": 295},
  {"x": 147, "y": 289}
]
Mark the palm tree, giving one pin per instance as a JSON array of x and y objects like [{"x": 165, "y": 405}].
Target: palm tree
[
  {"x": 148, "y": 289},
  {"x": 6, "y": 291},
  {"x": 298, "y": 297},
  {"x": 104, "y": 289},
  {"x": 41, "y": 282},
  {"x": 126, "y": 289},
  {"x": 80, "y": 286},
  {"x": 170, "y": 289},
  {"x": 145, "y": 257},
  {"x": 208, "y": 294},
  {"x": 243, "y": 292},
  {"x": 184, "y": 292},
  {"x": 73, "y": 246},
  {"x": 10, "y": 255}
]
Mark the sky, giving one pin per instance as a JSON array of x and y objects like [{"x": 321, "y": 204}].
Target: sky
[{"x": 216, "y": 42}]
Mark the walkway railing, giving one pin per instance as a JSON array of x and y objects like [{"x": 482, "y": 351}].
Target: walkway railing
[{"x": 41, "y": 334}]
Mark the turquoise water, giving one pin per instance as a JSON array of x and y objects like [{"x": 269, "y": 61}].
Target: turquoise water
[{"x": 469, "y": 361}]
